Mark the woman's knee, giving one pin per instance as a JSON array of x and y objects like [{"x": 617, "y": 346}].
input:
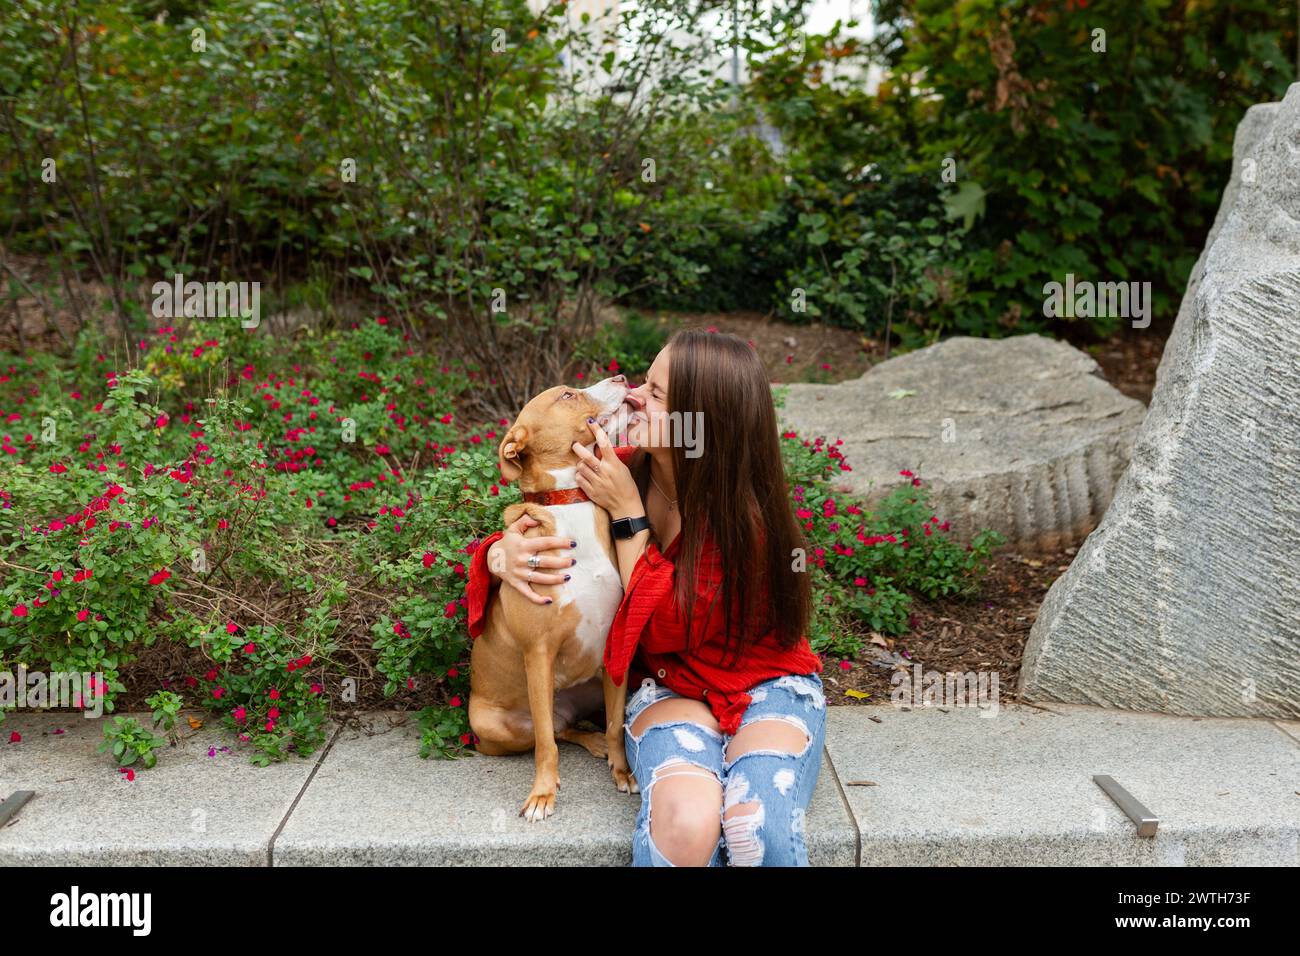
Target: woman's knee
[
  {"x": 685, "y": 804},
  {"x": 764, "y": 832}
]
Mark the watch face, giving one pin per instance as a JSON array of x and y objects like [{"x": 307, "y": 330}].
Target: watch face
[{"x": 627, "y": 527}]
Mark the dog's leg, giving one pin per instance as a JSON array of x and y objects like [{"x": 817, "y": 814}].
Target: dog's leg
[
  {"x": 540, "y": 669},
  {"x": 615, "y": 712},
  {"x": 572, "y": 704},
  {"x": 593, "y": 740}
]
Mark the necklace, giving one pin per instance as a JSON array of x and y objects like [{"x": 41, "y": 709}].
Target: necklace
[{"x": 672, "y": 502}]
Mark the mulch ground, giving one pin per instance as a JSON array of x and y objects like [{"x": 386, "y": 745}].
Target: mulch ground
[{"x": 986, "y": 633}]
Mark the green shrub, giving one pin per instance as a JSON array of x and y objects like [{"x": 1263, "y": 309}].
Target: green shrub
[{"x": 128, "y": 742}]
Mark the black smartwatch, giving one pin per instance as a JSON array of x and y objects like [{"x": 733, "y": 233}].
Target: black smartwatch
[{"x": 627, "y": 527}]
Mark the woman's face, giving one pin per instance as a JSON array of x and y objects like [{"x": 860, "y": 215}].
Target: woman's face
[{"x": 646, "y": 427}]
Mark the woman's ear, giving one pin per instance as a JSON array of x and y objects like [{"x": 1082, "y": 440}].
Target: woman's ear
[{"x": 512, "y": 446}]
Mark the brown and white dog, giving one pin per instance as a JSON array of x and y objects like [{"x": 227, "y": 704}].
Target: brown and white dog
[{"x": 535, "y": 669}]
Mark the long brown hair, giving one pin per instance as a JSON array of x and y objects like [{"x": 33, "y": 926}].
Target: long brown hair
[{"x": 736, "y": 490}]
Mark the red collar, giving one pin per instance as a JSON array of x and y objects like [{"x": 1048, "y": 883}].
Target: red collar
[{"x": 560, "y": 496}]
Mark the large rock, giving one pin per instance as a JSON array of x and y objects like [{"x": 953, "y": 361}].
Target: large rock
[
  {"x": 1186, "y": 598},
  {"x": 1022, "y": 435}
]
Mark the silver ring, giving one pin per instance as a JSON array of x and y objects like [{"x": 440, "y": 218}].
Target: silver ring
[{"x": 534, "y": 561}]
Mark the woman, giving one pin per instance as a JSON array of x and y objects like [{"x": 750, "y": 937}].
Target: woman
[{"x": 725, "y": 727}]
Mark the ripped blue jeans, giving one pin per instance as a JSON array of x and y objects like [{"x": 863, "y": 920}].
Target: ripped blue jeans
[{"x": 780, "y": 782}]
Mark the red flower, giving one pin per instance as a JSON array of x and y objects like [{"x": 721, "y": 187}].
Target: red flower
[
  {"x": 20, "y": 610},
  {"x": 274, "y": 694},
  {"x": 428, "y": 559},
  {"x": 455, "y": 701},
  {"x": 15, "y": 738},
  {"x": 82, "y": 615},
  {"x": 160, "y": 577},
  {"x": 250, "y": 648},
  {"x": 231, "y": 627},
  {"x": 449, "y": 610}
]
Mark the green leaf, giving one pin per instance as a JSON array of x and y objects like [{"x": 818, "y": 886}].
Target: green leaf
[{"x": 965, "y": 203}]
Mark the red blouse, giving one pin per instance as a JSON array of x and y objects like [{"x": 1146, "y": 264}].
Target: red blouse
[{"x": 647, "y": 637}]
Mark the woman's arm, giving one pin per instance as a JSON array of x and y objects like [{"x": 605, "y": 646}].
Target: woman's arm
[
  {"x": 503, "y": 556},
  {"x": 631, "y": 549}
]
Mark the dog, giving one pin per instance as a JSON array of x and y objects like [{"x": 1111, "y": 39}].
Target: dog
[{"x": 535, "y": 669}]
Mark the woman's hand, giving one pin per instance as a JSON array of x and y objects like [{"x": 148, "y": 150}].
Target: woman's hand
[
  {"x": 508, "y": 559},
  {"x": 606, "y": 480}
]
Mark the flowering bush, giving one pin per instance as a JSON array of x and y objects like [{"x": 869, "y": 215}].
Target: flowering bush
[
  {"x": 237, "y": 502},
  {"x": 296, "y": 524},
  {"x": 865, "y": 563}
]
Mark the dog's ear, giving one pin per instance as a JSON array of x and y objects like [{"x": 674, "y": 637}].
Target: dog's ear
[{"x": 513, "y": 445}]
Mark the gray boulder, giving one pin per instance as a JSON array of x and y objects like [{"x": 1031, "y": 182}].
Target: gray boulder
[
  {"x": 1022, "y": 435},
  {"x": 1186, "y": 598}
]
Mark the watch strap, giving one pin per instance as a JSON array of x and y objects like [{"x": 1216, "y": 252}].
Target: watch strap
[{"x": 628, "y": 527}]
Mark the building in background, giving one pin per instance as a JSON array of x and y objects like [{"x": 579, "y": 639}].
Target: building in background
[
  {"x": 728, "y": 63},
  {"x": 721, "y": 53}
]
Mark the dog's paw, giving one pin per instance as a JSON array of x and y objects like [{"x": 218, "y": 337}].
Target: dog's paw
[
  {"x": 624, "y": 782},
  {"x": 539, "y": 806}
]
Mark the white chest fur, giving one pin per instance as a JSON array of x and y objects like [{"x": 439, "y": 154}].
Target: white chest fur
[{"x": 596, "y": 586}]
